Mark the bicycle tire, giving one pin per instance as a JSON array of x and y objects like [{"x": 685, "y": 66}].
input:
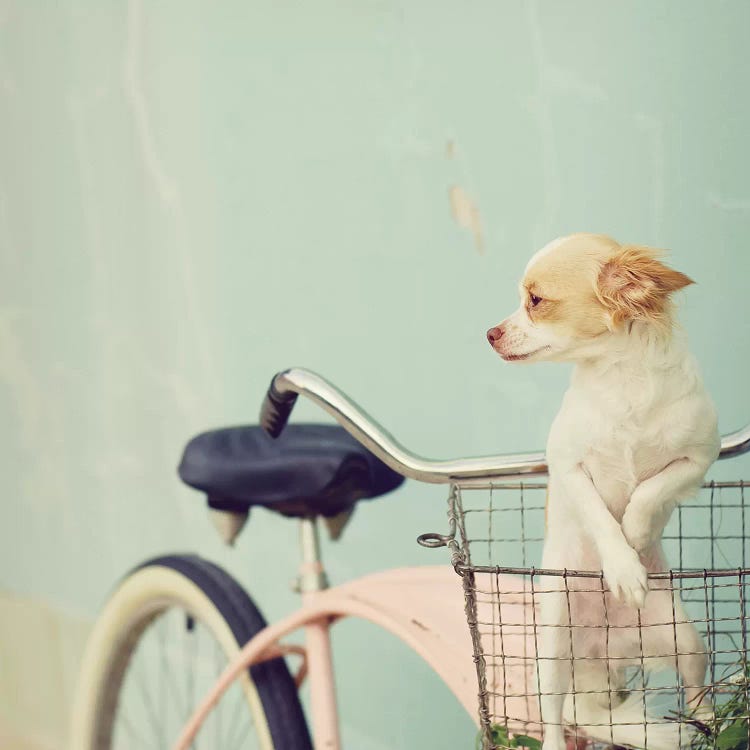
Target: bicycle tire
[{"x": 210, "y": 596}]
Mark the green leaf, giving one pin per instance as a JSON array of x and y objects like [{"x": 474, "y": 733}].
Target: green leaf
[
  {"x": 531, "y": 743},
  {"x": 499, "y": 734},
  {"x": 734, "y": 737}
]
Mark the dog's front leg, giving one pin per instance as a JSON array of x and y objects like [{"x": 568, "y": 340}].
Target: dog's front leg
[
  {"x": 623, "y": 571},
  {"x": 553, "y": 665},
  {"x": 654, "y": 499}
]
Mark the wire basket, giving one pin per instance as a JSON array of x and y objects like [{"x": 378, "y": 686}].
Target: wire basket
[{"x": 674, "y": 676}]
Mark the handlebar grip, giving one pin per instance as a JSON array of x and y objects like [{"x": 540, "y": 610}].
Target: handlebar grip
[{"x": 275, "y": 411}]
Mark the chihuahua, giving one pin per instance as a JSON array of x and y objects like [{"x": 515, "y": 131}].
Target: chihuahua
[{"x": 635, "y": 435}]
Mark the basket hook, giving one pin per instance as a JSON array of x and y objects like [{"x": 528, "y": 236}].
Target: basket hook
[{"x": 433, "y": 540}]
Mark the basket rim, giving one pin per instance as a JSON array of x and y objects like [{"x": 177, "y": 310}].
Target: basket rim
[{"x": 666, "y": 575}]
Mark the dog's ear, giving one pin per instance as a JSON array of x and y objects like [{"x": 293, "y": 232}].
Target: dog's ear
[{"x": 635, "y": 285}]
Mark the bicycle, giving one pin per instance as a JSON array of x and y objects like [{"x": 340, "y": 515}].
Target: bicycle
[{"x": 311, "y": 472}]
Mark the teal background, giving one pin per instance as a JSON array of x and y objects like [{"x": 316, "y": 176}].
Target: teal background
[{"x": 195, "y": 195}]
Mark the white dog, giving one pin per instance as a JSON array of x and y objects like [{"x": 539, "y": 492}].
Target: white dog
[{"x": 635, "y": 435}]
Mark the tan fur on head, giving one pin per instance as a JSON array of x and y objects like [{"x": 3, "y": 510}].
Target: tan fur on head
[
  {"x": 579, "y": 289},
  {"x": 634, "y": 285}
]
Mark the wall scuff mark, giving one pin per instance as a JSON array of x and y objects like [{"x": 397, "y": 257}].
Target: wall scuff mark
[{"x": 466, "y": 214}]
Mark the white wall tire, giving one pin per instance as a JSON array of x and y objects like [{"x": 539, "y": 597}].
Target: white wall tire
[{"x": 202, "y": 594}]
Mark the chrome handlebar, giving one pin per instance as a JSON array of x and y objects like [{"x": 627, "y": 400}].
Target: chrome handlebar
[{"x": 480, "y": 470}]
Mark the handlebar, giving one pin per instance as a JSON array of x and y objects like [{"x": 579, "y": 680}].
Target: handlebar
[{"x": 287, "y": 385}]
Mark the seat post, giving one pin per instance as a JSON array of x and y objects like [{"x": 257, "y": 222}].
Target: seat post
[
  {"x": 312, "y": 575},
  {"x": 312, "y": 579}
]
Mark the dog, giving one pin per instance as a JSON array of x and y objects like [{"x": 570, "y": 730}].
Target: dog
[{"x": 635, "y": 436}]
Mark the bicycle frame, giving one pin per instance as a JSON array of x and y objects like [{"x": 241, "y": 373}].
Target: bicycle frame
[
  {"x": 398, "y": 601},
  {"x": 422, "y": 607}
]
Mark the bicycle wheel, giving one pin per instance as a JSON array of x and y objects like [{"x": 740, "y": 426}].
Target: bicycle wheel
[{"x": 161, "y": 641}]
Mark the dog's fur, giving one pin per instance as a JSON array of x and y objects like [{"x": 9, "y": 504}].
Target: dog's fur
[{"x": 635, "y": 436}]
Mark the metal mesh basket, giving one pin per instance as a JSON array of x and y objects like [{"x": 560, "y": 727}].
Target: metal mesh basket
[{"x": 631, "y": 675}]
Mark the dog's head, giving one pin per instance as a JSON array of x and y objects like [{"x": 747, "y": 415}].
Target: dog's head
[{"x": 578, "y": 292}]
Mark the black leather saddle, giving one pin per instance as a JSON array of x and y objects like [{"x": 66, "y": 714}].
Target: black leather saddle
[{"x": 310, "y": 469}]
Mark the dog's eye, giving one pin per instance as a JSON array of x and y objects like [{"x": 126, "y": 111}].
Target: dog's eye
[{"x": 535, "y": 300}]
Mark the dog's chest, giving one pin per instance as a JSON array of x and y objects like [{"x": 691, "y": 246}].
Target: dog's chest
[
  {"x": 618, "y": 462},
  {"x": 619, "y": 446}
]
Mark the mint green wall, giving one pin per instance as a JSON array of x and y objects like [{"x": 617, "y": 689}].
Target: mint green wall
[{"x": 194, "y": 195}]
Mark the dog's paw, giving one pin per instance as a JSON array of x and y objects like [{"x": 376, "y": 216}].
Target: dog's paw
[
  {"x": 640, "y": 528},
  {"x": 626, "y": 577},
  {"x": 704, "y": 713}
]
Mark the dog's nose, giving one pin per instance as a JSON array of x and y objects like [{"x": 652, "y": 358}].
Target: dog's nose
[{"x": 495, "y": 334}]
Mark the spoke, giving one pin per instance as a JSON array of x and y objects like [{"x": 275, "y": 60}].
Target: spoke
[
  {"x": 123, "y": 717},
  {"x": 146, "y": 699},
  {"x": 233, "y": 724},
  {"x": 217, "y": 663},
  {"x": 172, "y": 686},
  {"x": 190, "y": 640},
  {"x": 159, "y": 630},
  {"x": 241, "y": 739},
  {"x": 159, "y": 666}
]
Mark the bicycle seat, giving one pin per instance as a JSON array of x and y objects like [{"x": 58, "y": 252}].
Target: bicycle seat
[{"x": 310, "y": 469}]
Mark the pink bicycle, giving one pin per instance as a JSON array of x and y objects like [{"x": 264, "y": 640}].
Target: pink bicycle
[{"x": 181, "y": 657}]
